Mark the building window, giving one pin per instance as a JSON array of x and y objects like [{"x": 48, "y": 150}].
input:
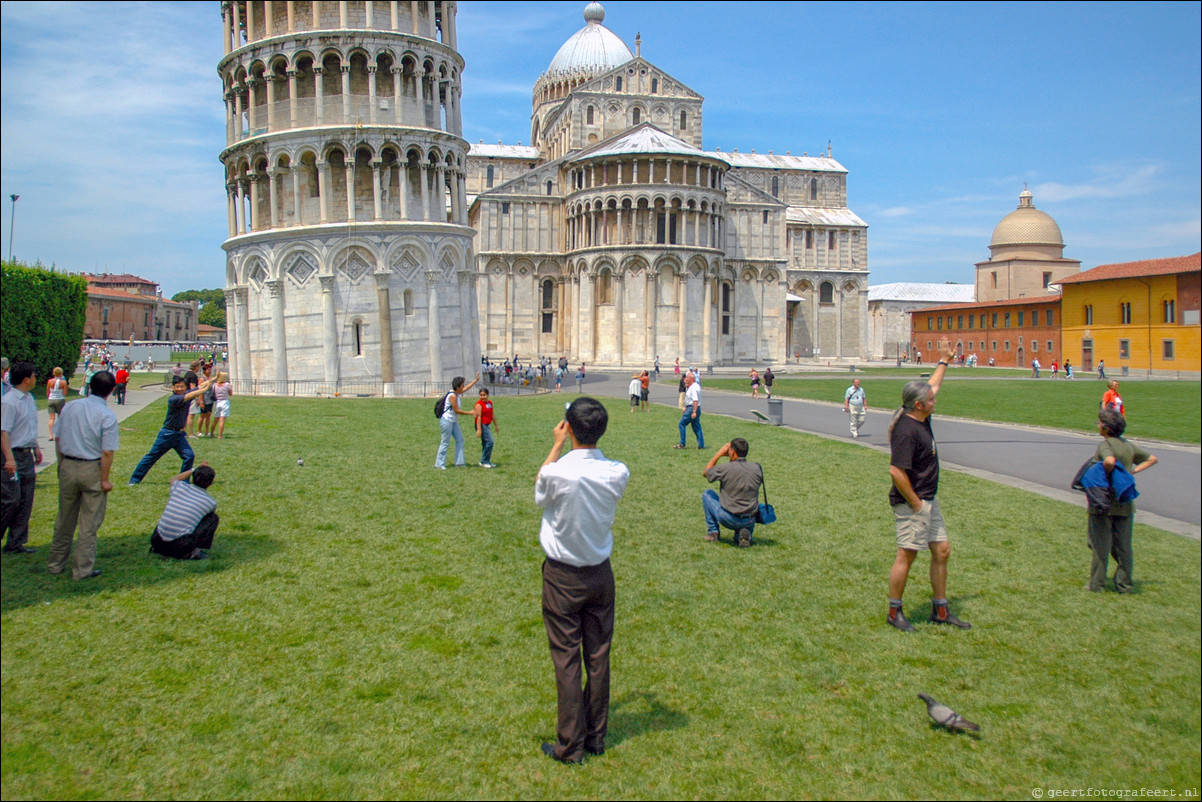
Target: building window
[
  {"x": 547, "y": 322},
  {"x": 618, "y": 83},
  {"x": 548, "y": 294},
  {"x": 1021, "y": 315},
  {"x": 826, "y": 293},
  {"x": 1125, "y": 313},
  {"x": 1089, "y": 314},
  {"x": 588, "y": 116},
  {"x": 765, "y": 217},
  {"x": 1167, "y": 349},
  {"x": 1170, "y": 315},
  {"x": 982, "y": 321},
  {"x": 959, "y": 321},
  {"x": 661, "y": 228},
  {"x": 1007, "y": 344},
  {"x": 605, "y": 287},
  {"x": 636, "y": 116},
  {"x": 930, "y": 324},
  {"x": 1047, "y": 279},
  {"x": 994, "y": 348},
  {"x": 1124, "y": 349},
  {"x": 1050, "y": 346},
  {"x": 1020, "y": 342},
  {"x": 949, "y": 322},
  {"x": 1034, "y": 346},
  {"x": 970, "y": 345},
  {"x": 775, "y": 186},
  {"x": 809, "y": 240},
  {"x": 684, "y": 120},
  {"x": 727, "y": 292},
  {"x": 1049, "y": 316},
  {"x": 1006, "y": 318},
  {"x": 550, "y": 186},
  {"x": 813, "y": 189},
  {"x": 830, "y": 241},
  {"x": 993, "y": 320},
  {"x": 489, "y": 176},
  {"x": 505, "y": 208},
  {"x": 408, "y": 302},
  {"x": 654, "y": 85},
  {"x": 971, "y": 320},
  {"x": 358, "y": 337},
  {"x": 939, "y": 323}
]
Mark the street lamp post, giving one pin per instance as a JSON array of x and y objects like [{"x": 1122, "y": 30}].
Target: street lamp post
[{"x": 12, "y": 224}]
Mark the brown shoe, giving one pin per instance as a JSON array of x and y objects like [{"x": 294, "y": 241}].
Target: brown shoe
[{"x": 711, "y": 537}]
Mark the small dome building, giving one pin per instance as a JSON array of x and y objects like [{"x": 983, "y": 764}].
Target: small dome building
[{"x": 1026, "y": 255}]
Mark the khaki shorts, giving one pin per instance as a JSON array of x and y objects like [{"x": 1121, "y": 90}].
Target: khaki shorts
[{"x": 917, "y": 530}]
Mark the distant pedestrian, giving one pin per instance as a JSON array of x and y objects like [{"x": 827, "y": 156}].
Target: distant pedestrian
[
  {"x": 122, "y": 378},
  {"x": 691, "y": 416},
  {"x": 634, "y": 390},
  {"x": 486, "y": 427},
  {"x": 1055, "y": 369},
  {"x": 1102, "y": 369},
  {"x": 1068, "y": 369},
  {"x": 222, "y": 391},
  {"x": 657, "y": 367},
  {"x": 645, "y": 391},
  {"x": 85, "y": 442},
  {"x": 580, "y": 380},
  {"x": 21, "y": 452},
  {"x": 1035, "y": 366},
  {"x": 755, "y": 383},
  {"x": 769, "y": 378},
  {"x": 855, "y": 404},
  {"x": 914, "y": 469},
  {"x": 1112, "y": 400},
  {"x": 677, "y": 366},
  {"x": 681, "y": 389},
  {"x": 56, "y": 397}
]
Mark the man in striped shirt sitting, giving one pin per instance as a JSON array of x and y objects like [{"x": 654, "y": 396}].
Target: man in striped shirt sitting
[{"x": 190, "y": 519}]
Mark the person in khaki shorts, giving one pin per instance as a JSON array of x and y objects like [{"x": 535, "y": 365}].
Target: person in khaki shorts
[{"x": 914, "y": 469}]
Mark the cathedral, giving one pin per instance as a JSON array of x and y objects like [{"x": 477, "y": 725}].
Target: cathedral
[{"x": 616, "y": 237}]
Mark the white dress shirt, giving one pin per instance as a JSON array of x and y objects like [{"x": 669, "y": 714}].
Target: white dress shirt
[
  {"x": 19, "y": 417},
  {"x": 692, "y": 395},
  {"x": 579, "y": 495},
  {"x": 86, "y": 428}
]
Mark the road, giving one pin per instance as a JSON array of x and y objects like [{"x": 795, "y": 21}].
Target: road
[{"x": 1035, "y": 459}]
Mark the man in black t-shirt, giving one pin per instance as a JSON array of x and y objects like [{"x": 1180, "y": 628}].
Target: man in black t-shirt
[
  {"x": 173, "y": 435},
  {"x": 738, "y": 501},
  {"x": 914, "y": 469}
]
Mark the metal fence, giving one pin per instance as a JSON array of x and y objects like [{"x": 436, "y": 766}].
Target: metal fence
[{"x": 364, "y": 389}]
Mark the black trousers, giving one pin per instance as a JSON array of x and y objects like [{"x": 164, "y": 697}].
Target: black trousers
[
  {"x": 16, "y": 500},
  {"x": 181, "y": 547},
  {"x": 578, "y": 611}
]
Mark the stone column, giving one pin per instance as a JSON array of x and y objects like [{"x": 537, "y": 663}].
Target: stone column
[
  {"x": 413, "y": 17},
  {"x": 231, "y": 327},
  {"x": 431, "y": 16},
  {"x": 403, "y": 187},
  {"x": 341, "y": 13},
  {"x": 384, "y": 302},
  {"x": 350, "y": 188},
  {"x": 681, "y": 339},
  {"x": 298, "y": 202},
  {"x": 562, "y": 318},
  {"x": 270, "y": 80},
  {"x": 226, "y": 27},
  {"x": 242, "y": 316},
  {"x": 509, "y": 300},
  {"x": 707, "y": 320},
  {"x": 242, "y": 226},
  {"x": 375, "y": 188},
  {"x": 291, "y": 15},
  {"x": 423, "y": 164},
  {"x": 279, "y": 334},
  {"x": 370, "y": 20},
  {"x": 651, "y": 303},
  {"x": 346, "y": 90},
  {"x": 273, "y": 198},
  {"x": 231, "y": 193},
  {"x": 319, "y": 88},
  {"x": 589, "y": 301},
  {"x": 397, "y": 93},
  {"x": 250, "y": 21},
  {"x": 238, "y": 131},
  {"x": 329, "y": 328},
  {"x": 230, "y": 117},
  {"x": 439, "y": 211},
  {"x": 237, "y": 25},
  {"x": 434, "y": 341},
  {"x": 396, "y": 15},
  {"x": 371, "y": 79},
  {"x": 323, "y": 190},
  {"x": 292, "y": 99},
  {"x": 619, "y": 314},
  {"x": 251, "y": 111},
  {"x": 316, "y": 15}
]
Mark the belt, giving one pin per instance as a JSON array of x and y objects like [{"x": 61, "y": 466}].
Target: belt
[
  {"x": 80, "y": 459},
  {"x": 25, "y": 448}
]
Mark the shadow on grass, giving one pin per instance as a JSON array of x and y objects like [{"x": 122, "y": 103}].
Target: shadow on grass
[
  {"x": 125, "y": 562},
  {"x": 639, "y": 714}
]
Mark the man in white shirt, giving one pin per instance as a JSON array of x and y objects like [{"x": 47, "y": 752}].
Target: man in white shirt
[
  {"x": 855, "y": 404},
  {"x": 579, "y": 494},
  {"x": 85, "y": 441},
  {"x": 691, "y": 416},
  {"x": 19, "y": 444}
]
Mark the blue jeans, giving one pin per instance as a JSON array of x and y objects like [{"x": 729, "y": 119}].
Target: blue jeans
[
  {"x": 450, "y": 428},
  {"x": 716, "y": 515},
  {"x": 168, "y": 440},
  {"x": 686, "y": 420},
  {"x": 486, "y": 441}
]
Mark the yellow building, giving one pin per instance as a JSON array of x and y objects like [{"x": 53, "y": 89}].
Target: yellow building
[{"x": 1135, "y": 315}]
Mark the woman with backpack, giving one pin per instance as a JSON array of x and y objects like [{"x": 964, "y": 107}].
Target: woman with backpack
[{"x": 448, "y": 411}]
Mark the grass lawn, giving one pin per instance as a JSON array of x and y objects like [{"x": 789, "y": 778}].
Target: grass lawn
[
  {"x": 1159, "y": 410},
  {"x": 369, "y": 627}
]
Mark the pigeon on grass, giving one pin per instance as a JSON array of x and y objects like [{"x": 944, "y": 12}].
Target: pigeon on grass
[{"x": 944, "y": 716}]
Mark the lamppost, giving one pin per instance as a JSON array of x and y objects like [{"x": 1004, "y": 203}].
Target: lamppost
[{"x": 12, "y": 223}]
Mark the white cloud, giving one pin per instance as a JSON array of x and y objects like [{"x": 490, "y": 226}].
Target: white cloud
[{"x": 1111, "y": 181}]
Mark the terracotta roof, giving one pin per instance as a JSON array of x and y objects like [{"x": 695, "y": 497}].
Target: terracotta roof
[
  {"x": 122, "y": 294},
  {"x": 1011, "y": 302},
  {"x": 1148, "y": 267}
]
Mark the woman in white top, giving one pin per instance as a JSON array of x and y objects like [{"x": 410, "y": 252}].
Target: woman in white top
[
  {"x": 449, "y": 423},
  {"x": 222, "y": 391},
  {"x": 56, "y": 396}
]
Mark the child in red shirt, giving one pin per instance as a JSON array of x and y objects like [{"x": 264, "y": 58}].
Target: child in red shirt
[{"x": 486, "y": 423}]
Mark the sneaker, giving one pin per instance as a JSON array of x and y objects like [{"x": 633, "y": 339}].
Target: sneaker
[
  {"x": 678, "y": 445},
  {"x": 743, "y": 538},
  {"x": 951, "y": 619},
  {"x": 487, "y": 465},
  {"x": 711, "y": 537},
  {"x": 900, "y": 622}
]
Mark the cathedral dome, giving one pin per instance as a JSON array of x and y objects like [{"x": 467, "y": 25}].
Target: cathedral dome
[
  {"x": 1026, "y": 225},
  {"x": 594, "y": 48}
]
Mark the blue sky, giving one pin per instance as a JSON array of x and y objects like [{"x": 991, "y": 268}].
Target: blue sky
[{"x": 113, "y": 121}]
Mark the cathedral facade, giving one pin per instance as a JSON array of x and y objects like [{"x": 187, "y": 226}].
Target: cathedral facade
[{"x": 615, "y": 237}]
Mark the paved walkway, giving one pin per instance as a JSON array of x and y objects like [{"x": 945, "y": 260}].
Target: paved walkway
[
  {"x": 135, "y": 401},
  {"x": 1036, "y": 459}
]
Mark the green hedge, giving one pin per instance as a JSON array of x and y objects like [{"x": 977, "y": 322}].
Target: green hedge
[{"x": 41, "y": 317}]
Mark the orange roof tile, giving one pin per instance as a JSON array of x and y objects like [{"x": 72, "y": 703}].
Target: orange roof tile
[
  {"x": 121, "y": 294},
  {"x": 1147, "y": 267},
  {"x": 1055, "y": 298}
]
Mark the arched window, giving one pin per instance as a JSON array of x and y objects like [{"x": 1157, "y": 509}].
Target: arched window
[
  {"x": 636, "y": 117},
  {"x": 618, "y": 83},
  {"x": 654, "y": 85},
  {"x": 826, "y": 293},
  {"x": 548, "y": 293},
  {"x": 813, "y": 189},
  {"x": 684, "y": 120},
  {"x": 775, "y": 186},
  {"x": 605, "y": 287},
  {"x": 550, "y": 187},
  {"x": 588, "y": 116},
  {"x": 357, "y": 338},
  {"x": 490, "y": 175}
]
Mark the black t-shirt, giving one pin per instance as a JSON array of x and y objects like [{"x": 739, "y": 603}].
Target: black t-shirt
[
  {"x": 192, "y": 380},
  {"x": 913, "y": 448},
  {"x": 177, "y": 413}
]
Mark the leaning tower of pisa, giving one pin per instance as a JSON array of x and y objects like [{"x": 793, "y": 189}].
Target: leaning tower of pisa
[{"x": 348, "y": 250}]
